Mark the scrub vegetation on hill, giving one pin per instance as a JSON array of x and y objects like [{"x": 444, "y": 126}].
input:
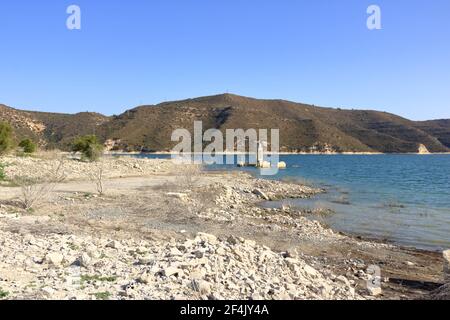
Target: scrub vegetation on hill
[{"x": 303, "y": 128}]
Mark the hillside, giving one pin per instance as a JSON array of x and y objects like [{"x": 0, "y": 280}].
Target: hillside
[
  {"x": 302, "y": 127},
  {"x": 438, "y": 129},
  {"x": 61, "y": 129},
  {"x": 24, "y": 124}
]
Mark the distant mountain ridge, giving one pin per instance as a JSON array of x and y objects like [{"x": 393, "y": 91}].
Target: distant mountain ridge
[{"x": 303, "y": 128}]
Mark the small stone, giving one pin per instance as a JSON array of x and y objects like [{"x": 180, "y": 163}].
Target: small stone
[
  {"x": 54, "y": 258},
  {"x": 310, "y": 271},
  {"x": 170, "y": 271},
  {"x": 343, "y": 280},
  {"x": 291, "y": 262},
  {"x": 233, "y": 240},
  {"x": 212, "y": 239},
  {"x": 201, "y": 286},
  {"x": 114, "y": 244},
  {"x": 146, "y": 260},
  {"x": 85, "y": 260},
  {"x": 48, "y": 291},
  {"x": 198, "y": 254},
  {"x": 256, "y": 297},
  {"x": 145, "y": 278},
  {"x": 196, "y": 274},
  {"x": 220, "y": 251},
  {"x": 174, "y": 252},
  {"x": 261, "y": 194},
  {"x": 375, "y": 291}
]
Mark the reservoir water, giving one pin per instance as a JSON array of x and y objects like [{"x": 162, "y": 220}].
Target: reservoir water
[{"x": 404, "y": 199}]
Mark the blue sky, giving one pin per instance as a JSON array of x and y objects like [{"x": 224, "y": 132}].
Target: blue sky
[{"x": 143, "y": 52}]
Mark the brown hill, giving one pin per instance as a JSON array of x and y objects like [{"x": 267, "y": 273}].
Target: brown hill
[
  {"x": 302, "y": 127},
  {"x": 61, "y": 129},
  {"x": 438, "y": 129},
  {"x": 24, "y": 124}
]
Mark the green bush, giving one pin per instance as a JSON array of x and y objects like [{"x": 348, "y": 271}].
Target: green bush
[
  {"x": 5, "y": 137},
  {"x": 2, "y": 172},
  {"x": 28, "y": 146},
  {"x": 89, "y": 147}
]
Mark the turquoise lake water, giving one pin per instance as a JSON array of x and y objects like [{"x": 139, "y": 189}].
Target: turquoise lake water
[{"x": 404, "y": 199}]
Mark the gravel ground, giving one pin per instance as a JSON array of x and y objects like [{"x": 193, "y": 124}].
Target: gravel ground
[{"x": 166, "y": 231}]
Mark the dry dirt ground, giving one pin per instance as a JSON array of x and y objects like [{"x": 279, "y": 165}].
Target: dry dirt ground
[{"x": 156, "y": 200}]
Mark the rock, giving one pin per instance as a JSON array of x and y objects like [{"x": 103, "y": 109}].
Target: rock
[
  {"x": 261, "y": 194},
  {"x": 310, "y": 271},
  {"x": 256, "y": 297},
  {"x": 446, "y": 255},
  {"x": 177, "y": 195},
  {"x": 343, "y": 280},
  {"x": 212, "y": 239},
  {"x": 49, "y": 292},
  {"x": 114, "y": 244},
  {"x": 409, "y": 263},
  {"x": 201, "y": 286},
  {"x": 170, "y": 271},
  {"x": 146, "y": 260},
  {"x": 54, "y": 258},
  {"x": 85, "y": 260},
  {"x": 375, "y": 291},
  {"x": 233, "y": 240},
  {"x": 174, "y": 252},
  {"x": 198, "y": 254},
  {"x": 145, "y": 278},
  {"x": 291, "y": 262},
  {"x": 197, "y": 274},
  {"x": 282, "y": 165}
]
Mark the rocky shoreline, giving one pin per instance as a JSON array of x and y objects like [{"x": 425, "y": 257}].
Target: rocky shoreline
[{"x": 165, "y": 231}]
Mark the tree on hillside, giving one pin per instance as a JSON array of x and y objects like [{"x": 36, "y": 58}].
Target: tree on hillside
[
  {"x": 28, "y": 146},
  {"x": 6, "y": 141},
  {"x": 88, "y": 146}
]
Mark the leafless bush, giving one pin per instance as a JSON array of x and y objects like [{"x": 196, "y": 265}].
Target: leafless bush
[
  {"x": 189, "y": 175},
  {"x": 37, "y": 189},
  {"x": 97, "y": 176}
]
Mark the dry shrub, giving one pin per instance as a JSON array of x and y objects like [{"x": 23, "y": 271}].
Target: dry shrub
[
  {"x": 97, "y": 176},
  {"x": 37, "y": 189},
  {"x": 189, "y": 175}
]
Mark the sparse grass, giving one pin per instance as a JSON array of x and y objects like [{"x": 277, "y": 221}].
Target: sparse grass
[
  {"x": 87, "y": 278},
  {"x": 73, "y": 247},
  {"x": 102, "y": 295},
  {"x": 3, "y": 294}
]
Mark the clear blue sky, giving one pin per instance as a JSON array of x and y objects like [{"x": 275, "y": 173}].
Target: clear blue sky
[{"x": 147, "y": 51}]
